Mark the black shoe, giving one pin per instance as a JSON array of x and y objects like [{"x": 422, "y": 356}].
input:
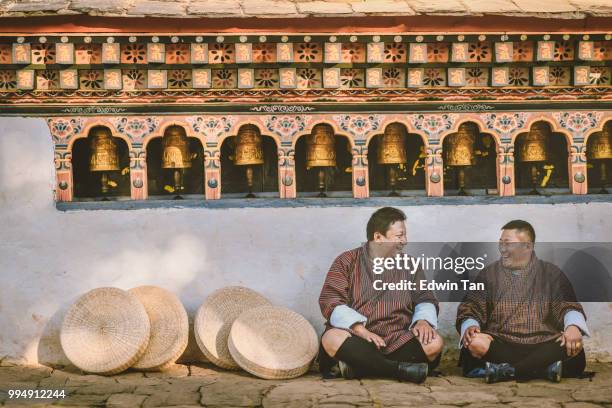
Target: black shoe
[
  {"x": 346, "y": 371},
  {"x": 498, "y": 372},
  {"x": 554, "y": 371},
  {"x": 413, "y": 372}
]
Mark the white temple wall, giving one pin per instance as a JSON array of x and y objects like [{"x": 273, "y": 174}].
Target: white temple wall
[{"x": 49, "y": 257}]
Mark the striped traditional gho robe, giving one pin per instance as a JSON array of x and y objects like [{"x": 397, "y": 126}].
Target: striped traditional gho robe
[
  {"x": 520, "y": 306},
  {"x": 389, "y": 313}
]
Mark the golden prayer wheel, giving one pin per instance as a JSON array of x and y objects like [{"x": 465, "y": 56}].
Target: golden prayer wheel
[
  {"x": 175, "y": 146},
  {"x": 460, "y": 152},
  {"x": 461, "y": 146},
  {"x": 392, "y": 149},
  {"x": 321, "y": 152},
  {"x": 104, "y": 156},
  {"x": 533, "y": 148},
  {"x": 176, "y": 155},
  {"x": 249, "y": 146},
  {"x": 320, "y": 147},
  {"x": 600, "y": 149},
  {"x": 600, "y": 145},
  {"x": 249, "y": 152}
]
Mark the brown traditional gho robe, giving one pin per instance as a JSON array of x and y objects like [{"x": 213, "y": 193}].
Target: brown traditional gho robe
[
  {"x": 520, "y": 306},
  {"x": 389, "y": 313}
]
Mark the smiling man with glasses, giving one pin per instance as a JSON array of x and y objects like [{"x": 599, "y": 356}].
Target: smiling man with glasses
[{"x": 527, "y": 323}]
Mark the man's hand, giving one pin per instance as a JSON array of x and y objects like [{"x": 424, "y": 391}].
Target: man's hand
[
  {"x": 469, "y": 334},
  {"x": 424, "y": 332},
  {"x": 571, "y": 338},
  {"x": 364, "y": 333}
]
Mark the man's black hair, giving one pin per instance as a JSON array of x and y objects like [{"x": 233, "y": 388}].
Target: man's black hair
[
  {"x": 382, "y": 219},
  {"x": 521, "y": 226}
]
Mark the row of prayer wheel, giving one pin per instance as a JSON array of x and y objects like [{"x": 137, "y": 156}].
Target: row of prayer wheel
[
  {"x": 104, "y": 156},
  {"x": 320, "y": 152}
]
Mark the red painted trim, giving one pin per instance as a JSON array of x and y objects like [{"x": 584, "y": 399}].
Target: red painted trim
[{"x": 370, "y": 24}]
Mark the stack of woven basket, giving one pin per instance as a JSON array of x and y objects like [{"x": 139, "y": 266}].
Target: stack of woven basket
[
  {"x": 238, "y": 328},
  {"x": 109, "y": 330}
]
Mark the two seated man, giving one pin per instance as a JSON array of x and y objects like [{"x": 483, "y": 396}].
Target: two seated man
[{"x": 525, "y": 324}]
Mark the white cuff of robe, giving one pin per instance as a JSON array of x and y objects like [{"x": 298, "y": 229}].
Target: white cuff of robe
[
  {"x": 425, "y": 311},
  {"x": 343, "y": 317},
  {"x": 464, "y": 326},
  {"x": 575, "y": 318}
]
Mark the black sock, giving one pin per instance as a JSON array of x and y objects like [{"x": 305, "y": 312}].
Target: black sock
[
  {"x": 534, "y": 364},
  {"x": 365, "y": 358}
]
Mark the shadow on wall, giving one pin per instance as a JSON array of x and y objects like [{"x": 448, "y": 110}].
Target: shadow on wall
[{"x": 590, "y": 277}]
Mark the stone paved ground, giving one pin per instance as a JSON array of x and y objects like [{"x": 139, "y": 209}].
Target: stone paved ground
[{"x": 204, "y": 385}]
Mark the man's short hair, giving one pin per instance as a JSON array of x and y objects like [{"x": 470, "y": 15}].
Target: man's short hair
[
  {"x": 521, "y": 225},
  {"x": 382, "y": 219}
]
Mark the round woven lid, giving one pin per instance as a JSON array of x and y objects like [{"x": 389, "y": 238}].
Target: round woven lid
[
  {"x": 273, "y": 342},
  {"x": 214, "y": 319},
  {"x": 105, "y": 331},
  {"x": 169, "y": 327}
]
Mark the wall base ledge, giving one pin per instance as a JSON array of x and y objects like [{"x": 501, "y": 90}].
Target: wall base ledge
[{"x": 331, "y": 202}]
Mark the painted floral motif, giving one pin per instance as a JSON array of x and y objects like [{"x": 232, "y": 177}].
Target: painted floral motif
[
  {"x": 308, "y": 52},
  {"x": 91, "y": 79},
  {"x": 133, "y": 54},
  {"x": 477, "y": 77},
  {"x": 5, "y": 54},
  {"x": 86, "y": 54},
  {"x": 393, "y": 77},
  {"x": 136, "y": 128},
  {"x": 180, "y": 78},
  {"x": 134, "y": 79},
  {"x": 358, "y": 125},
  {"x": 599, "y": 76},
  {"x": 43, "y": 53},
  {"x": 559, "y": 75},
  {"x": 8, "y": 80},
  {"x": 505, "y": 124},
  {"x": 224, "y": 78},
  {"x": 395, "y": 52},
  {"x": 564, "y": 50},
  {"x": 211, "y": 126},
  {"x": 351, "y": 78},
  {"x": 523, "y": 51},
  {"x": 178, "y": 53},
  {"x": 264, "y": 52},
  {"x": 222, "y": 53},
  {"x": 602, "y": 51},
  {"x": 308, "y": 78},
  {"x": 266, "y": 78},
  {"x": 518, "y": 76},
  {"x": 434, "y": 77},
  {"x": 286, "y": 126},
  {"x": 62, "y": 129},
  {"x": 47, "y": 79},
  {"x": 577, "y": 122},
  {"x": 433, "y": 125},
  {"x": 479, "y": 52},
  {"x": 353, "y": 52},
  {"x": 437, "y": 52}
]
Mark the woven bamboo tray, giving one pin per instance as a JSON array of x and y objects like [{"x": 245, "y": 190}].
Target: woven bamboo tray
[
  {"x": 105, "y": 331},
  {"x": 273, "y": 342},
  {"x": 169, "y": 327},
  {"x": 214, "y": 319}
]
